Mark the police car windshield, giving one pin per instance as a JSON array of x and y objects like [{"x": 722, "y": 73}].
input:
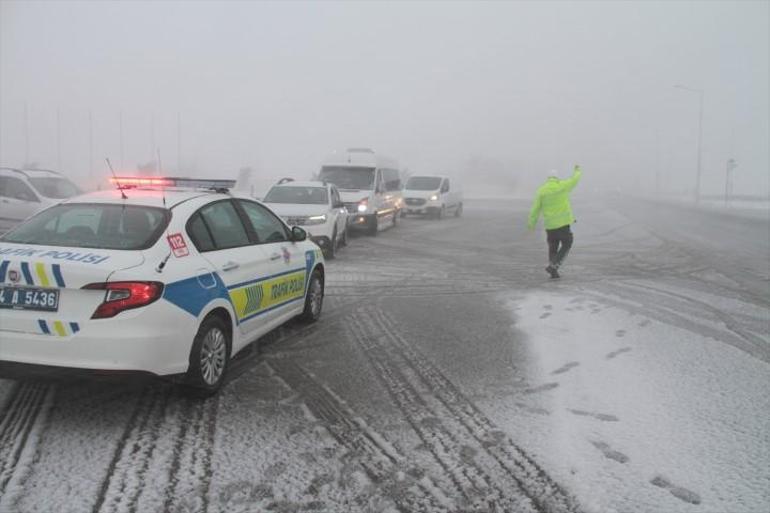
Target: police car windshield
[
  {"x": 89, "y": 225},
  {"x": 54, "y": 187},
  {"x": 423, "y": 183},
  {"x": 350, "y": 178},
  {"x": 304, "y": 195}
]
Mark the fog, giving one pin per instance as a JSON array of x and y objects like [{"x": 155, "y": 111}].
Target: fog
[{"x": 505, "y": 91}]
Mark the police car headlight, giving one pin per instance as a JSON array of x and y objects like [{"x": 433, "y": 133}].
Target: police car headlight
[
  {"x": 316, "y": 219},
  {"x": 434, "y": 197}
]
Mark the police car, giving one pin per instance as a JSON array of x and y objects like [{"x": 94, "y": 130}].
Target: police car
[{"x": 166, "y": 276}]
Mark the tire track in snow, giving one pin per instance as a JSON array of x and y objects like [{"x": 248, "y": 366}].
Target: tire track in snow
[
  {"x": 545, "y": 494},
  {"x": 27, "y": 404},
  {"x": 125, "y": 475},
  {"x": 376, "y": 455},
  {"x": 461, "y": 458},
  {"x": 192, "y": 454},
  {"x": 163, "y": 460}
]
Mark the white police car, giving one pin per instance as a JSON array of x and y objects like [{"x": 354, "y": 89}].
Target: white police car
[
  {"x": 172, "y": 281},
  {"x": 316, "y": 206}
]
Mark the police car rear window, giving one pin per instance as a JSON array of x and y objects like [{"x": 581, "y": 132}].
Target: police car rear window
[{"x": 89, "y": 225}]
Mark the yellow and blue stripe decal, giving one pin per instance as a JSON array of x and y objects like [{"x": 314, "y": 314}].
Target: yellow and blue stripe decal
[
  {"x": 58, "y": 328},
  {"x": 248, "y": 299},
  {"x": 256, "y": 297},
  {"x": 37, "y": 274}
]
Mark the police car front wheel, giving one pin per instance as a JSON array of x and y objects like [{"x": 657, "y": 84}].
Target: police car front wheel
[{"x": 209, "y": 357}]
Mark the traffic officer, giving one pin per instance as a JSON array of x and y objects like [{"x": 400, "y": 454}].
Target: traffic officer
[{"x": 552, "y": 199}]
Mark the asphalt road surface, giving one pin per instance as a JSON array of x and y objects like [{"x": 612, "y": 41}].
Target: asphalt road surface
[{"x": 426, "y": 385}]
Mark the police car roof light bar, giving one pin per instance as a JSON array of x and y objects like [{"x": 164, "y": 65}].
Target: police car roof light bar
[{"x": 172, "y": 181}]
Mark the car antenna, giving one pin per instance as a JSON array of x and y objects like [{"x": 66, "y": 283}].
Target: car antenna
[
  {"x": 122, "y": 194},
  {"x": 162, "y": 187}
]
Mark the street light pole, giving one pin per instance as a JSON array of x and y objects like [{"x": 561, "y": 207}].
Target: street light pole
[{"x": 700, "y": 136}]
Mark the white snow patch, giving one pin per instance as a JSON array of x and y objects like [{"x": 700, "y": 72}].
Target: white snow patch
[{"x": 635, "y": 415}]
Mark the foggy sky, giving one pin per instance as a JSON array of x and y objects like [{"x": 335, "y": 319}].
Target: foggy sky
[{"x": 524, "y": 87}]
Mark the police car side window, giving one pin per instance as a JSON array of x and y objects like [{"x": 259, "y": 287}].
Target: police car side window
[
  {"x": 267, "y": 227},
  {"x": 225, "y": 225},
  {"x": 199, "y": 233}
]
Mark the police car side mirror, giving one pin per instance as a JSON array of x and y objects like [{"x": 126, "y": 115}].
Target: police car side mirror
[{"x": 298, "y": 234}]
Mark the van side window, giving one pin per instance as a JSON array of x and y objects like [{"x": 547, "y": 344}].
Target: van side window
[
  {"x": 392, "y": 180},
  {"x": 445, "y": 185}
]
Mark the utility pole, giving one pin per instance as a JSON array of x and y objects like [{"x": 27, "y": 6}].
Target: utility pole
[
  {"x": 120, "y": 122},
  {"x": 26, "y": 134},
  {"x": 700, "y": 136},
  {"x": 178, "y": 142},
  {"x": 58, "y": 139},
  {"x": 90, "y": 146},
  {"x": 152, "y": 138},
  {"x": 657, "y": 163},
  {"x": 731, "y": 164}
]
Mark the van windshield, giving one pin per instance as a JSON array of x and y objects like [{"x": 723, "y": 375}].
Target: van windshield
[
  {"x": 423, "y": 183},
  {"x": 348, "y": 178}
]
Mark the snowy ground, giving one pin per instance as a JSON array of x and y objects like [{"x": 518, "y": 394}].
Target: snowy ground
[{"x": 449, "y": 374}]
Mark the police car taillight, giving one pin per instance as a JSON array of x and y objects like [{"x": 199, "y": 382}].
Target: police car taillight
[{"x": 124, "y": 295}]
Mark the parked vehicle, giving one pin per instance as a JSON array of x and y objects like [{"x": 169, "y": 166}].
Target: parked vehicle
[
  {"x": 317, "y": 207},
  {"x": 152, "y": 277},
  {"x": 432, "y": 195},
  {"x": 23, "y": 192},
  {"x": 369, "y": 185}
]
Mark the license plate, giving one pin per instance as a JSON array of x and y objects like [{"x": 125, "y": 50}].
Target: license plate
[{"x": 29, "y": 298}]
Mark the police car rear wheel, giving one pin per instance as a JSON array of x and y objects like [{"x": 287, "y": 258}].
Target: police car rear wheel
[
  {"x": 314, "y": 298},
  {"x": 209, "y": 357}
]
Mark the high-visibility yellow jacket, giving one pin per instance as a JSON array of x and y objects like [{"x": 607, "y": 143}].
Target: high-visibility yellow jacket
[{"x": 552, "y": 199}]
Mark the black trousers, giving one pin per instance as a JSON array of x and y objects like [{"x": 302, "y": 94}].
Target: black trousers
[{"x": 559, "y": 244}]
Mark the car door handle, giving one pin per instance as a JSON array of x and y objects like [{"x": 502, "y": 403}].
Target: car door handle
[
  {"x": 275, "y": 256},
  {"x": 229, "y": 266}
]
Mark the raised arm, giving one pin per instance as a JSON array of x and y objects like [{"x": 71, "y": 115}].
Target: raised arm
[{"x": 573, "y": 180}]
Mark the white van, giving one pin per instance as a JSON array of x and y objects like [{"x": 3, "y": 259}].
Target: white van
[
  {"x": 435, "y": 196},
  {"x": 369, "y": 185}
]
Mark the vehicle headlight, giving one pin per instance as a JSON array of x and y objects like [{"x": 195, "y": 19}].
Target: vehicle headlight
[
  {"x": 434, "y": 197},
  {"x": 317, "y": 219},
  {"x": 362, "y": 207}
]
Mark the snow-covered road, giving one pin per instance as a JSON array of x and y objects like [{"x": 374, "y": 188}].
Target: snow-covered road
[{"x": 448, "y": 374}]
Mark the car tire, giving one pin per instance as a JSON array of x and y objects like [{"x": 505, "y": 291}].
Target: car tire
[
  {"x": 372, "y": 225},
  {"x": 209, "y": 358},
  {"x": 313, "y": 298},
  {"x": 331, "y": 252},
  {"x": 441, "y": 212},
  {"x": 459, "y": 210}
]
